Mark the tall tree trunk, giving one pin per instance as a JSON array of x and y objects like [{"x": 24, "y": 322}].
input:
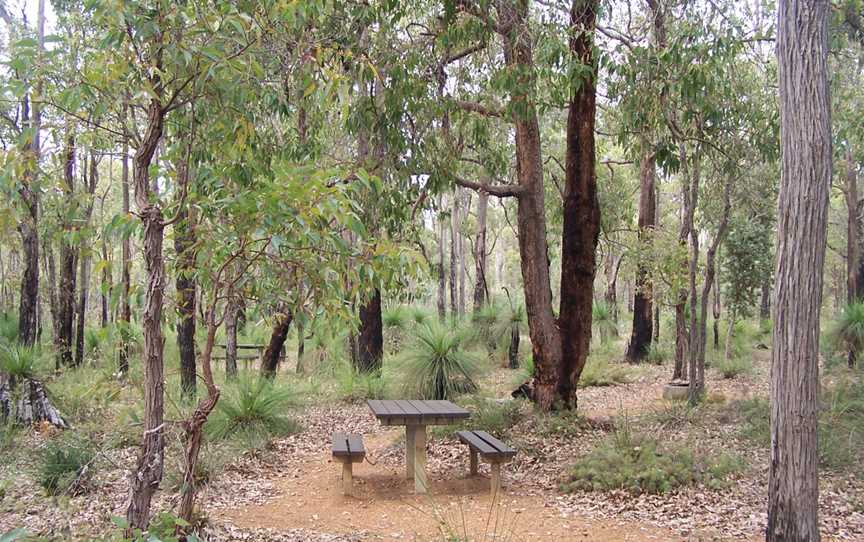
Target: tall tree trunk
[
  {"x": 68, "y": 260},
  {"x": 513, "y": 349},
  {"x": 301, "y": 347},
  {"x": 481, "y": 289},
  {"x": 442, "y": 276},
  {"x": 642, "y": 331},
  {"x": 50, "y": 271},
  {"x": 765, "y": 302},
  {"x": 853, "y": 230},
  {"x": 126, "y": 260},
  {"x": 370, "y": 342},
  {"x": 28, "y": 228},
  {"x": 460, "y": 243},
  {"x": 730, "y": 331},
  {"x": 105, "y": 288},
  {"x": 231, "y": 311},
  {"x": 805, "y": 176},
  {"x": 454, "y": 256},
  {"x": 682, "y": 334},
  {"x": 715, "y": 313},
  {"x": 147, "y": 474},
  {"x": 85, "y": 256},
  {"x": 185, "y": 285},
  {"x": 613, "y": 265},
  {"x": 581, "y": 210},
  {"x": 276, "y": 345}
]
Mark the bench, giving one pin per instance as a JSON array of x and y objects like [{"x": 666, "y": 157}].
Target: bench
[
  {"x": 348, "y": 449},
  {"x": 492, "y": 450}
]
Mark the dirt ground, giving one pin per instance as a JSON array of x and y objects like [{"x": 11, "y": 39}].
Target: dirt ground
[{"x": 384, "y": 507}]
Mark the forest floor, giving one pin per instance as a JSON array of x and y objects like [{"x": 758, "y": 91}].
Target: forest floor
[{"x": 291, "y": 490}]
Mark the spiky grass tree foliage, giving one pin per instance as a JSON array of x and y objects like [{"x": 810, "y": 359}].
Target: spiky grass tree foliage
[
  {"x": 435, "y": 365},
  {"x": 509, "y": 329},
  {"x": 253, "y": 410},
  {"x": 18, "y": 362},
  {"x": 848, "y": 330},
  {"x": 603, "y": 320}
]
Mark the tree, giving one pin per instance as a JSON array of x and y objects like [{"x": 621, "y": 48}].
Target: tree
[{"x": 805, "y": 176}]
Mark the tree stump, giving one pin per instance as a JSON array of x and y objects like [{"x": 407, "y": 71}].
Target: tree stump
[{"x": 32, "y": 404}]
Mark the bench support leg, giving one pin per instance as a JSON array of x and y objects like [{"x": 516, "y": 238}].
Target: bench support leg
[
  {"x": 410, "y": 431},
  {"x": 420, "y": 483},
  {"x": 496, "y": 479},
  {"x": 473, "y": 458},
  {"x": 347, "y": 477}
]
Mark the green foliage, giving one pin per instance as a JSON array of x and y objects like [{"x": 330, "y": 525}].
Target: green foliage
[
  {"x": 639, "y": 464},
  {"x": 747, "y": 262},
  {"x": 252, "y": 411},
  {"x": 435, "y": 365},
  {"x": 163, "y": 528},
  {"x": 397, "y": 317},
  {"x": 734, "y": 367},
  {"x": 600, "y": 371},
  {"x": 8, "y": 328},
  {"x": 657, "y": 354},
  {"x": 356, "y": 386},
  {"x": 19, "y": 361},
  {"x": 602, "y": 318},
  {"x": 496, "y": 417},
  {"x": 65, "y": 466},
  {"x": 847, "y": 331}
]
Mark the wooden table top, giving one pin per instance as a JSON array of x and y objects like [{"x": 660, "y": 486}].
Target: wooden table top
[{"x": 413, "y": 412}]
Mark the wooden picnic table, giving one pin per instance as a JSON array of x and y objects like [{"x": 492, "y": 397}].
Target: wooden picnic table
[{"x": 415, "y": 416}]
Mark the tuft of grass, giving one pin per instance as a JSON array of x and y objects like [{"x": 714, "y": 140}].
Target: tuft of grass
[
  {"x": 396, "y": 317},
  {"x": 65, "y": 466},
  {"x": 355, "y": 386},
  {"x": 599, "y": 371},
  {"x": 435, "y": 365},
  {"x": 602, "y": 319},
  {"x": 657, "y": 354},
  {"x": 252, "y": 411},
  {"x": 490, "y": 415},
  {"x": 19, "y": 362},
  {"x": 639, "y": 464},
  {"x": 8, "y": 328},
  {"x": 847, "y": 331},
  {"x": 734, "y": 367}
]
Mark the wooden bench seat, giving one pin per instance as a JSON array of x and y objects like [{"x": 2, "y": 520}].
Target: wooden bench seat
[
  {"x": 492, "y": 450},
  {"x": 348, "y": 449}
]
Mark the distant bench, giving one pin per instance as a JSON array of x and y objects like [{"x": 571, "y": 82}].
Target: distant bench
[{"x": 257, "y": 355}]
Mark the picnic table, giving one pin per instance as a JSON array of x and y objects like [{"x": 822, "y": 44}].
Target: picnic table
[
  {"x": 246, "y": 358},
  {"x": 415, "y": 416}
]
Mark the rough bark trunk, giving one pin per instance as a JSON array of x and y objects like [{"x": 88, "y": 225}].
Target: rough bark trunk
[
  {"x": 715, "y": 313},
  {"x": 126, "y": 261},
  {"x": 370, "y": 341},
  {"x": 730, "y": 331},
  {"x": 185, "y": 285},
  {"x": 513, "y": 349},
  {"x": 642, "y": 331},
  {"x": 765, "y": 302},
  {"x": 301, "y": 348},
  {"x": 442, "y": 277},
  {"x": 682, "y": 334},
  {"x": 32, "y": 404},
  {"x": 106, "y": 287},
  {"x": 85, "y": 257},
  {"x": 68, "y": 260},
  {"x": 481, "y": 289},
  {"x": 805, "y": 176},
  {"x": 231, "y": 311},
  {"x": 147, "y": 474},
  {"x": 581, "y": 210},
  {"x": 613, "y": 265},
  {"x": 454, "y": 257},
  {"x": 273, "y": 352},
  {"x": 853, "y": 230}
]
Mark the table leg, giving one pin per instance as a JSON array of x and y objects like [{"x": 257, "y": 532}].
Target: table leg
[
  {"x": 420, "y": 483},
  {"x": 410, "y": 431}
]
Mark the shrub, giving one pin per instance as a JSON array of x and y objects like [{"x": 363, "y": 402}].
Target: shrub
[
  {"x": 599, "y": 371},
  {"x": 490, "y": 415},
  {"x": 252, "y": 410},
  {"x": 638, "y": 464},
  {"x": 8, "y": 328},
  {"x": 65, "y": 466},
  {"x": 435, "y": 366},
  {"x": 733, "y": 367},
  {"x": 847, "y": 331},
  {"x": 656, "y": 354},
  {"x": 355, "y": 386},
  {"x": 603, "y": 320},
  {"x": 18, "y": 361},
  {"x": 420, "y": 315},
  {"x": 397, "y": 317}
]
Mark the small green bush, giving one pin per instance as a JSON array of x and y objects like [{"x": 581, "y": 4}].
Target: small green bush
[
  {"x": 490, "y": 415},
  {"x": 599, "y": 371},
  {"x": 656, "y": 355},
  {"x": 397, "y": 317},
  {"x": 733, "y": 367},
  {"x": 65, "y": 466},
  {"x": 8, "y": 328},
  {"x": 602, "y": 318},
  {"x": 253, "y": 411},
  {"x": 847, "y": 331},
  {"x": 638, "y": 464},
  {"x": 355, "y": 386},
  {"x": 19, "y": 361},
  {"x": 435, "y": 366}
]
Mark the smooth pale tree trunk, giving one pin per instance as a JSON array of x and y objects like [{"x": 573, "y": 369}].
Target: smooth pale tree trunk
[
  {"x": 730, "y": 331},
  {"x": 481, "y": 289},
  {"x": 805, "y": 177},
  {"x": 147, "y": 474},
  {"x": 370, "y": 341},
  {"x": 613, "y": 265},
  {"x": 273, "y": 352},
  {"x": 642, "y": 330},
  {"x": 442, "y": 276},
  {"x": 68, "y": 260}
]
